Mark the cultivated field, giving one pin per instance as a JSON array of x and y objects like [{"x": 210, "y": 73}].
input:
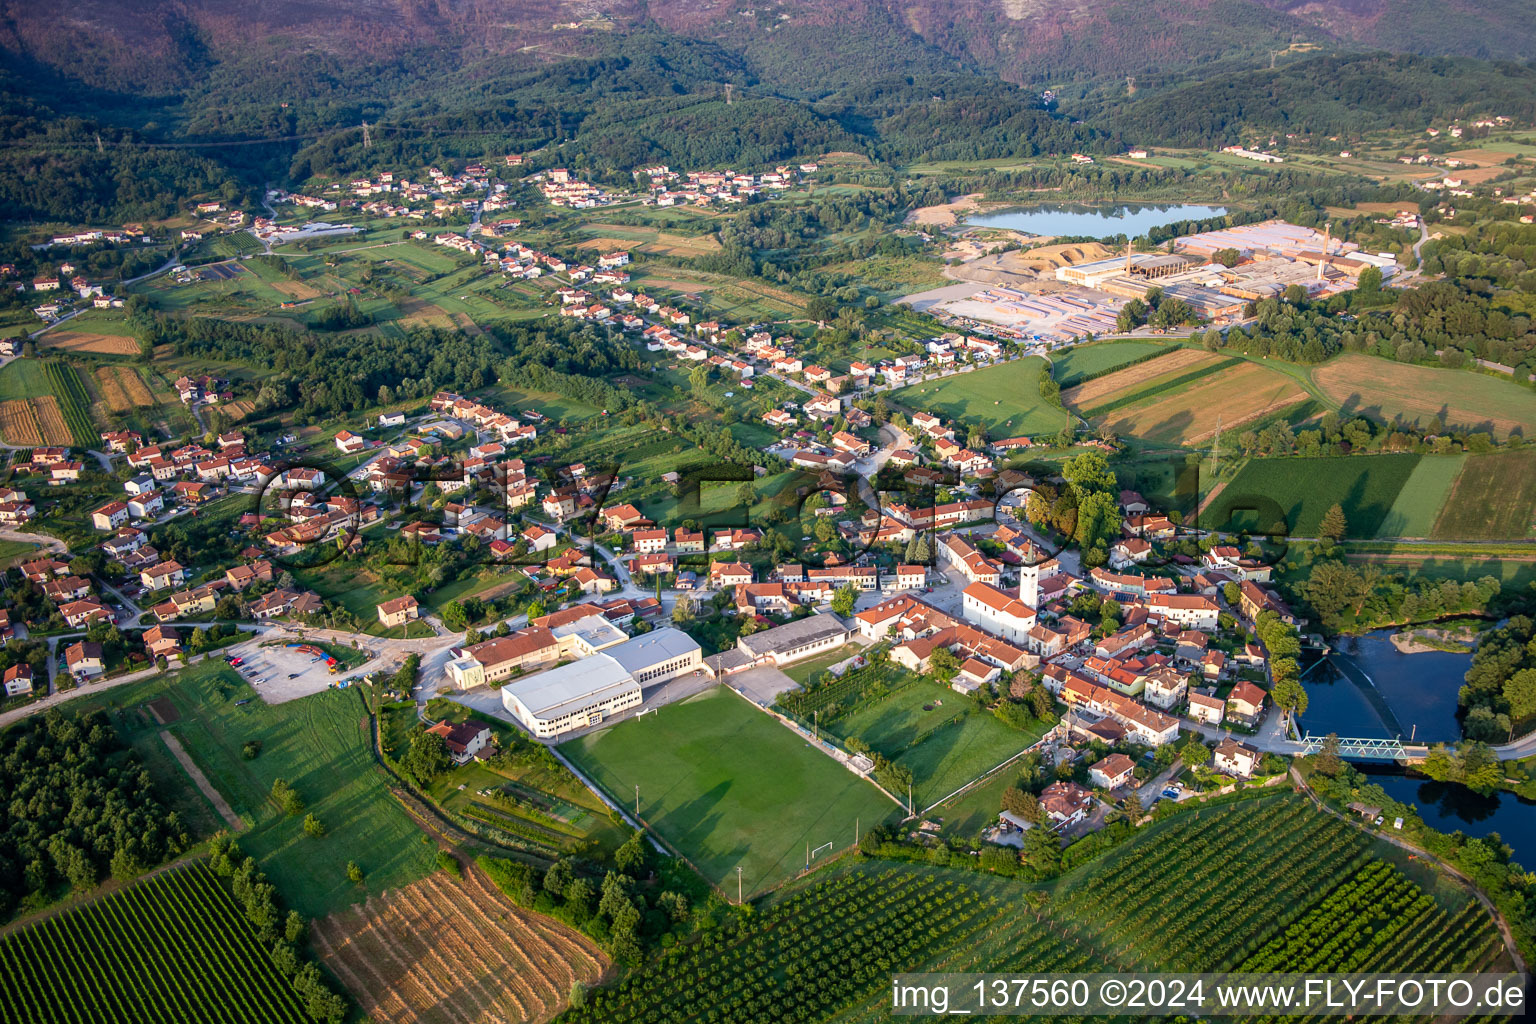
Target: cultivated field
[
  {"x": 87, "y": 341},
  {"x": 19, "y": 423},
  {"x": 1418, "y": 504},
  {"x": 1003, "y": 400},
  {"x": 167, "y": 949},
  {"x": 1118, "y": 912},
  {"x": 454, "y": 952},
  {"x": 729, "y": 787},
  {"x": 1113, "y": 386},
  {"x": 72, "y": 403},
  {"x": 122, "y": 388},
  {"x": 1494, "y": 498},
  {"x": 1302, "y": 490},
  {"x": 1190, "y": 415},
  {"x": 1419, "y": 395},
  {"x": 1080, "y": 362},
  {"x": 647, "y": 239}
]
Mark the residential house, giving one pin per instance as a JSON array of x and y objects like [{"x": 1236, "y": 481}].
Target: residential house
[
  {"x": 399, "y": 611},
  {"x": 1245, "y": 701},
  {"x": 69, "y": 588},
  {"x": 1065, "y": 803},
  {"x": 110, "y": 516},
  {"x": 85, "y": 659},
  {"x": 241, "y": 577},
  {"x": 80, "y": 614},
  {"x": 463, "y": 739},
  {"x": 146, "y": 506},
  {"x": 162, "y": 641},
  {"x": 18, "y": 680},
  {"x": 1206, "y": 708},
  {"x": 1233, "y": 758},
  {"x": 166, "y": 574},
  {"x": 1112, "y": 772}
]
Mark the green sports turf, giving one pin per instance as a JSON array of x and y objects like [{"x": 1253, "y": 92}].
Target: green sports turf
[
  {"x": 942, "y": 753},
  {"x": 727, "y": 785},
  {"x": 1418, "y": 504}
]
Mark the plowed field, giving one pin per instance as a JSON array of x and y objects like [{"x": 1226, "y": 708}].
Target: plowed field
[{"x": 441, "y": 951}]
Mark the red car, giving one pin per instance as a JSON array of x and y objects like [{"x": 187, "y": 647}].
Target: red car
[{"x": 238, "y": 662}]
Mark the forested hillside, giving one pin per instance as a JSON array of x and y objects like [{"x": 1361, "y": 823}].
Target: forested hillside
[{"x": 1330, "y": 96}]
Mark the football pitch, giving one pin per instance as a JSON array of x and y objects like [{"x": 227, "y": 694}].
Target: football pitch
[{"x": 727, "y": 786}]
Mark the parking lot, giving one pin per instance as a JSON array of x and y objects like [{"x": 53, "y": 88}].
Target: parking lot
[{"x": 281, "y": 674}]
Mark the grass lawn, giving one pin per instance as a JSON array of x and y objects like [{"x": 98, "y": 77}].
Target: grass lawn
[
  {"x": 1303, "y": 489},
  {"x": 1083, "y": 361},
  {"x": 13, "y": 551},
  {"x": 355, "y": 589},
  {"x": 22, "y": 379},
  {"x": 320, "y": 745},
  {"x": 1418, "y": 504},
  {"x": 1003, "y": 400},
  {"x": 728, "y": 786},
  {"x": 945, "y": 746},
  {"x": 532, "y": 775},
  {"x": 1492, "y": 499},
  {"x": 803, "y": 670}
]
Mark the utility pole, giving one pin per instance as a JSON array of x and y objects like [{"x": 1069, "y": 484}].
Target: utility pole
[
  {"x": 856, "y": 820},
  {"x": 738, "y": 885},
  {"x": 727, "y": 93},
  {"x": 637, "y": 801}
]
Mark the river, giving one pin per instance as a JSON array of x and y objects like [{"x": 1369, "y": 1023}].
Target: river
[
  {"x": 1366, "y": 687},
  {"x": 1077, "y": 220},
  {"x": 1450, "y": 807}
]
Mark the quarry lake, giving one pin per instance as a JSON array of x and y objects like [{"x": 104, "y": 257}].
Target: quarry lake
[{"x": 1079, "y": 220}]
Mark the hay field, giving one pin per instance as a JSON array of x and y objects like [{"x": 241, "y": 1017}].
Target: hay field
[
  {"x": 18, "y": 423},
  {"x": 1493, "y": 499},
  {"x": 122, "y": 388},
  {"x": 89, "y": 341},
  {"x": 34, "y": 421},
  {"x": 456, "y": 953},
  {"x": 1106, "y": 388},
  {"x": 1418, "y": 395},
  {"x": 1190, "y": 415},
  {"x": 648, "y": 240}
]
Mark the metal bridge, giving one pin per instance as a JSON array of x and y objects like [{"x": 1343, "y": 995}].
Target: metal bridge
[{"x": 1367, "y": 748}]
